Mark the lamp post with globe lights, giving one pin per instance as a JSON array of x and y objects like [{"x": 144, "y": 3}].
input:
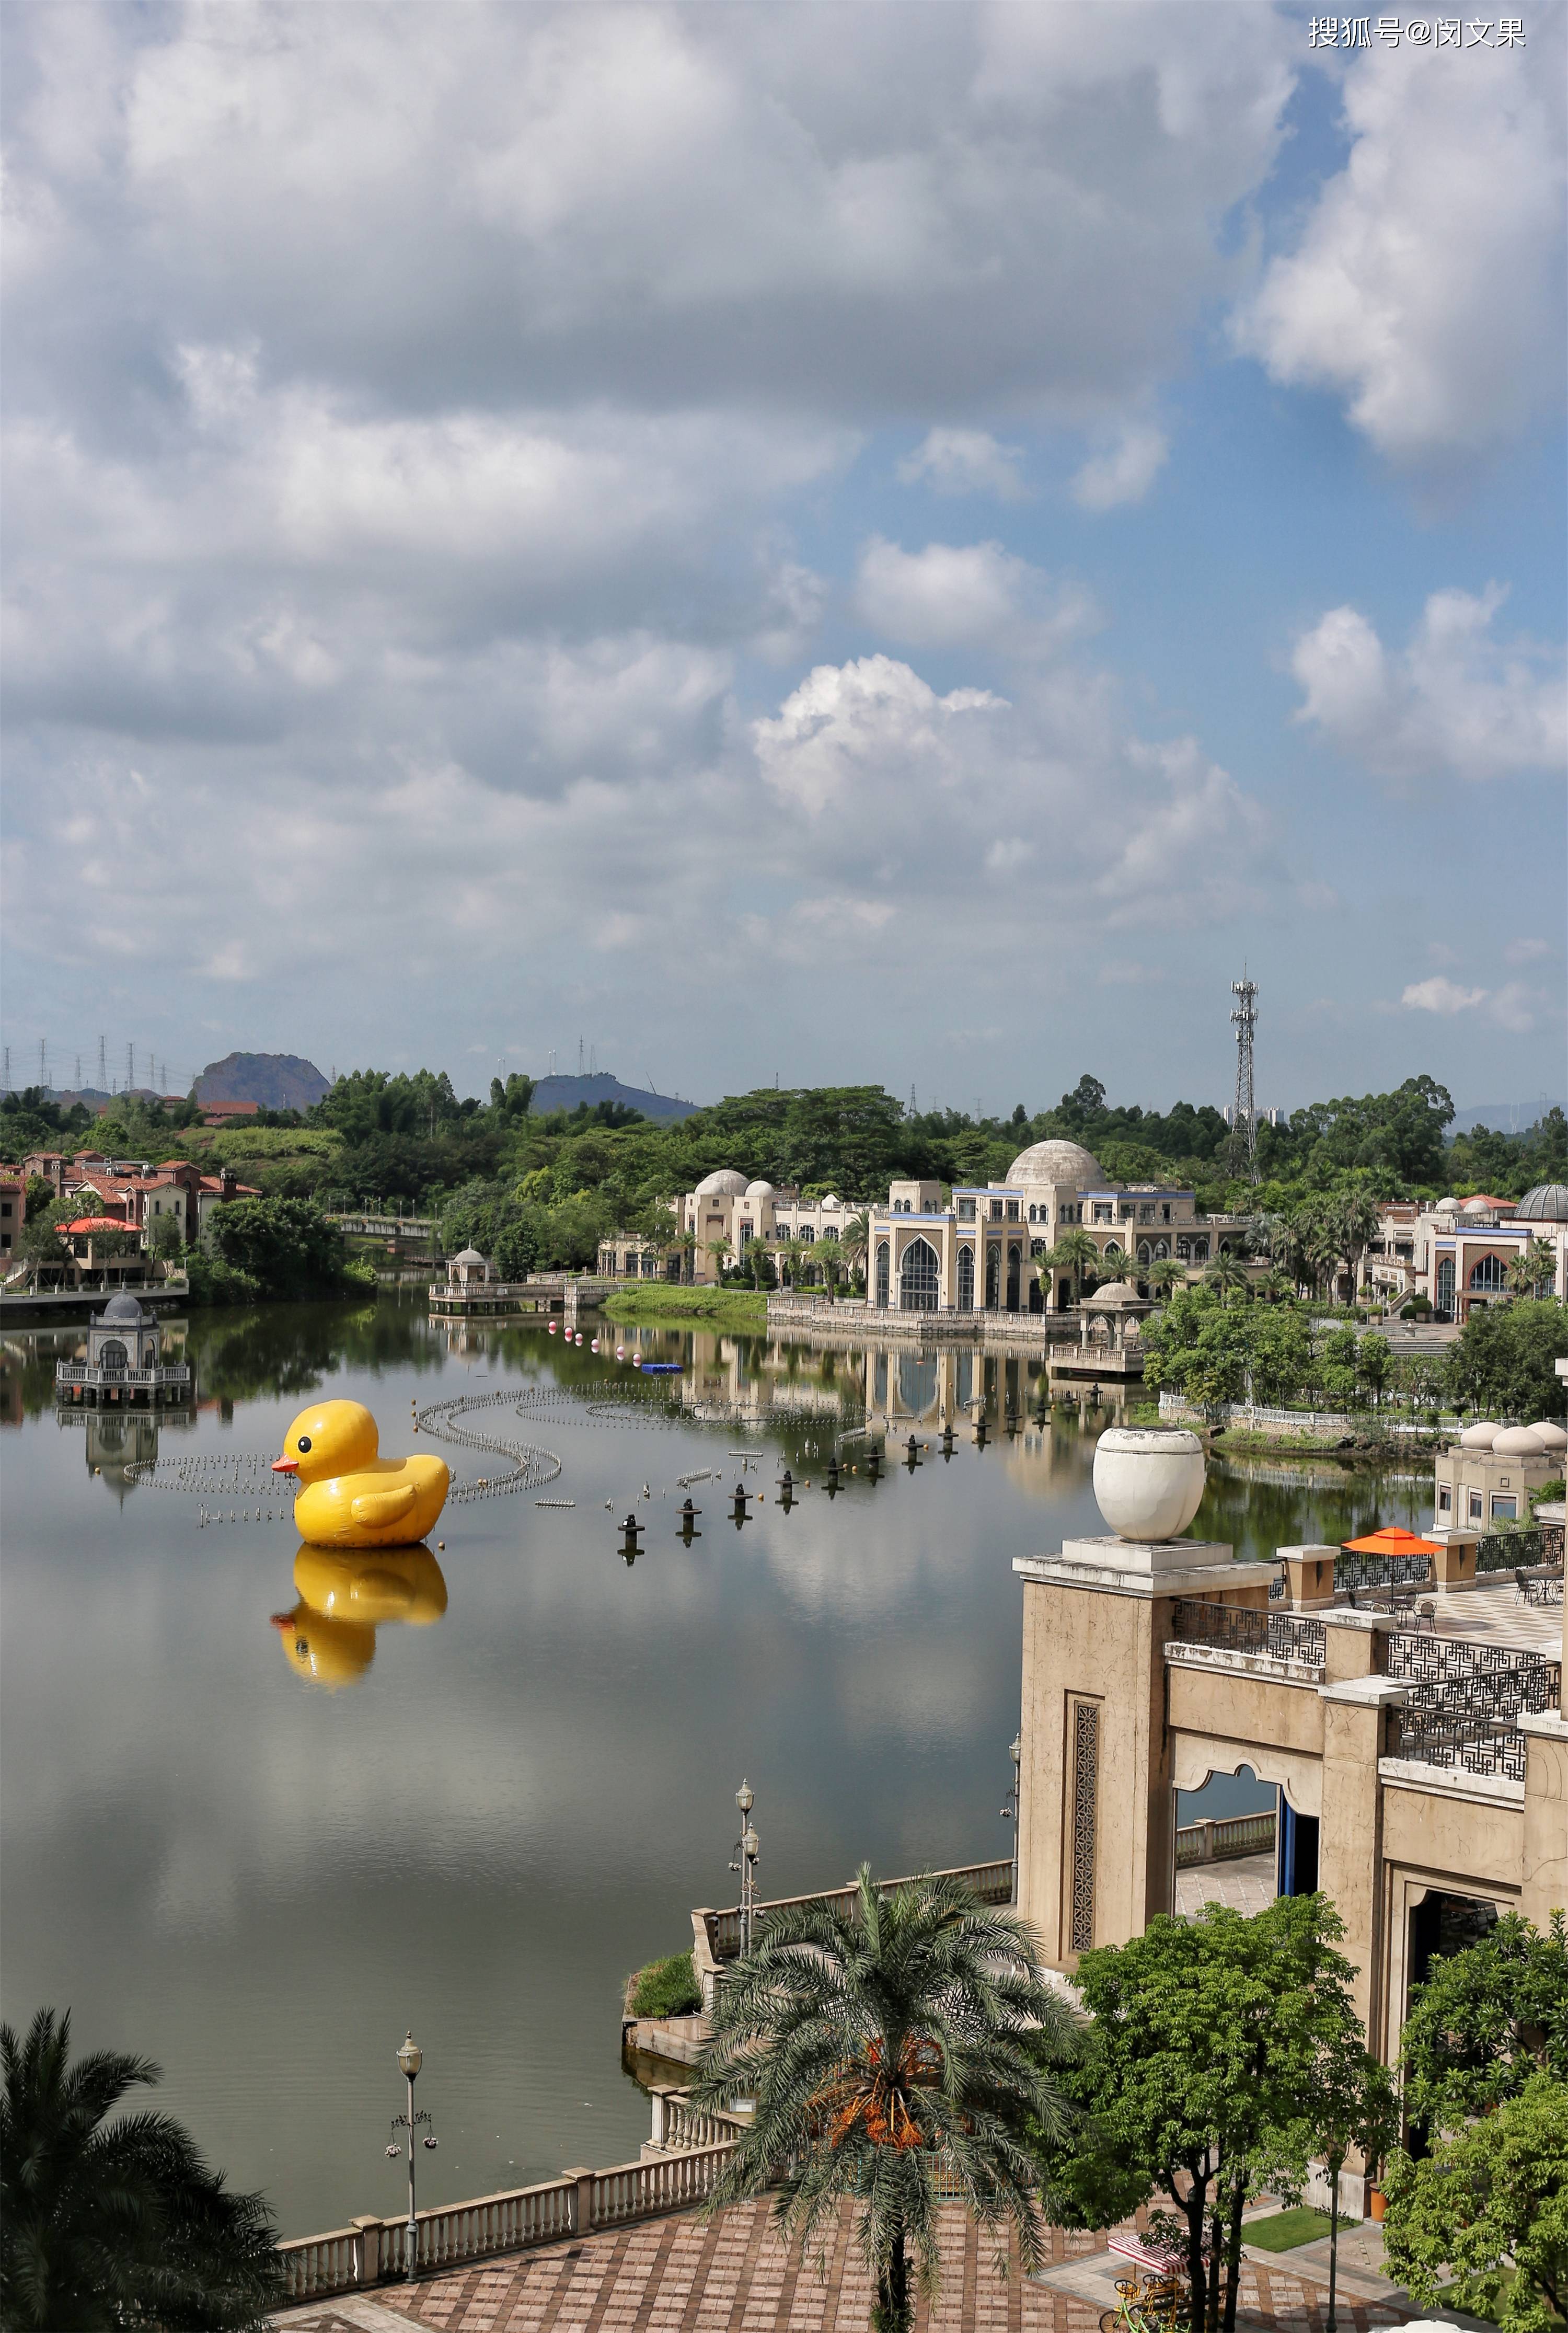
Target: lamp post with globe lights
[
  {"x": 748, "y": 1848},
  {"x": 410, "y": 2058}
]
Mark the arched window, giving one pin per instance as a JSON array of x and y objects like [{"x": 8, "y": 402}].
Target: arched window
[
  {"x": 1034, "y": 1212},
  {"x": 918, "y": 1278},
  {"x": 1199, "y": 1251},
  {"x": 1146, "y": 1252},
  {"x": 1161, "y": 1248},
  {"x": 882, "y": 1271},
  {"x": 1015, "y": 1274},
  {"x": 1445, "y": 1296},
  {"x": 1113, "y": 1253},
  {"x": 1487, "y": 1273},
  {"x": 993, "y": 1275},
  {"x": 966, "y": 1279},
  {"x": 113, "y": 1355}
]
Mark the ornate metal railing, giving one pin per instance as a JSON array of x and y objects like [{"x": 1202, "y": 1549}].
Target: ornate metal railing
[
  {"x": 1466, "y": 1741},
  {"x": 1236, "y": 1628},
  {"x": 1278, "y": 1589},
  {"x": 1353, "y": 1572},
  {"x": 1448, "y": 1663},
  {"x": 1519, "y": 1551}
]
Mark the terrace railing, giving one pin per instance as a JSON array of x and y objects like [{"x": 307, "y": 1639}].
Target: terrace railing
[
  {"x": 1352, "y": 1571},
  {"x": 1292, "y": 1637},
  {"x": 373, "y": 2252},
  {"x": 1465, "y": 1740},
  {"x": 1516, "y": 1551},
  {"x": 1220, "y": 1842},
  {"x": 991, "y": 1882},
  {"x": 1496, "y": 1676}
]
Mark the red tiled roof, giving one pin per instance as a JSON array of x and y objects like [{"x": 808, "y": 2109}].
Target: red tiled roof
[
  {"x": 96, "y": 1223},
  {"x": 229, "y": 1108}
]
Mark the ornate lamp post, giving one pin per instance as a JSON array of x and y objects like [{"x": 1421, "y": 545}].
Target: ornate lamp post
[
  {"x": 748, "y": 1848},
  {"x": 1010, "y": 1807},
  {"x": 410, "y": 2058}
]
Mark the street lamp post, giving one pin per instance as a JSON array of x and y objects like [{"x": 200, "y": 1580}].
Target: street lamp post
[
  {"x": 748, "y": 1848},
  {"x": 1010, "y": 1806},
  {"x": 410, "y": 2058}
]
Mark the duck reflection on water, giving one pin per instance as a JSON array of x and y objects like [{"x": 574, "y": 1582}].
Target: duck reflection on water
[{"x": 345, "y": 1596}]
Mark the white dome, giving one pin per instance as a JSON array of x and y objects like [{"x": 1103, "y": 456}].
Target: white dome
[
  {"x": 759, "y": 1190},
  {"x": 1518, "y": 1441},
  {"x": 1551, "y": 1437},
  {"x": 1056, "y": 1162},
  {"x": 1448, "y": 1206},
  {"x": 1477, "y": 1206},
  {"x": 1479, "y": 1437},
  {"x": 723, "y": 1184}
]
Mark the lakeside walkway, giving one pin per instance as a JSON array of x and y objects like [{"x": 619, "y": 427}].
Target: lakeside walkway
[{"x": 733, "y": 2274}]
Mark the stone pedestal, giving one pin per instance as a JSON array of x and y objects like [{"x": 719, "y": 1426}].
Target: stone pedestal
[{"x": 1309, "y": 1575}]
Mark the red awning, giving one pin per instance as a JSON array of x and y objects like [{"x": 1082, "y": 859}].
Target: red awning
[{"x": 1394, "y": 1540}]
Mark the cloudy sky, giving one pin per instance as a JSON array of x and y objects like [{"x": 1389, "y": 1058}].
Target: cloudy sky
[{"x": 889, "y": 542}]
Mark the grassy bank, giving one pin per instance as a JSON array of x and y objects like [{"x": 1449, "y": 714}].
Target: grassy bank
[{"x": 657, "y": 1304}]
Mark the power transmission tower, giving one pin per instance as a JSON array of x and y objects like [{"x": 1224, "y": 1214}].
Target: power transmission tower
[
  {"x": 6, "y": 1072},
  {"x": 103, "y": 1065},
  {"x": 1243, "y": 1146},
  {"x": 43, "y": 1061}
]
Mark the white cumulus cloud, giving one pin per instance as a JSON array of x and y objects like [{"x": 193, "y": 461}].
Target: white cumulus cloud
[
  {"x": 1454, "y": 698},
  {"x": 1125, "y": 471},
  {"x": 966, "y": 593},
  {"x": 1427, "y": 286},
  {"x": 965, "y": 462}
]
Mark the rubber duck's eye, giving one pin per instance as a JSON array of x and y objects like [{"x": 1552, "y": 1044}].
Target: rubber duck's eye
[{"x": 303, "y": 1444}]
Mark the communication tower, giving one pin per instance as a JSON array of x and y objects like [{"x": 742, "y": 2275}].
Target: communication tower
[{"x": 1243, "y": 1151}]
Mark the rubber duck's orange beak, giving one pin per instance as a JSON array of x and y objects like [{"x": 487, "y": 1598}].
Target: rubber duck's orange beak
[
  {"x": 285, "y": 1465},
  {"x": 282, "y": 1621}
]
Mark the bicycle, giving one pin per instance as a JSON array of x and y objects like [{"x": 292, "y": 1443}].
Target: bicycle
[{"x": 1154, "y": 2305}]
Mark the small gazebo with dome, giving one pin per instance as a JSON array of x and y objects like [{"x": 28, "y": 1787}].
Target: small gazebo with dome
[{"x": 124, "y": 1360}]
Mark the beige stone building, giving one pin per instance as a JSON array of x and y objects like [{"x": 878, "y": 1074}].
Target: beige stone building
[
  {"x": 1484, "y": 1479},
  {"x": 1420, "y": 1758},
  {"x": 1458, "y": 1253}
]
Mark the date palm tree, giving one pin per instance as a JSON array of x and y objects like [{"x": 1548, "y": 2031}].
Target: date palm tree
[
  {"x": 1535, "y": 1266},
  {"x": 856, "y": 1240},
  {"x": 116, "y": 2224},
  {"x": 1073, "y": 1252},
  {"x": 1357, "y": 1220},
  {"x": 1227, "y": 1275},
  {"x": 827, "y": 1257},
  {"x": 1166, "y": 1274},
  {"x": 720, "y": 1249},
  {"x": 685, "y": 1245},
  {"x": 886, "y": 2042}
]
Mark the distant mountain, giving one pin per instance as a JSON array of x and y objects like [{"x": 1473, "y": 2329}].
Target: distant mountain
[
  {"x": 275, "y": 1080},
  {"x": 1502, "y": 1116},
  {"x": 565, "y": 1093}
]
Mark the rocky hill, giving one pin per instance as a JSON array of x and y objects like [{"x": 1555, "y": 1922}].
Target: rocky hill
[
  {"x": 275, "y": 1080},
  {"x": 565, "y": 1093}
]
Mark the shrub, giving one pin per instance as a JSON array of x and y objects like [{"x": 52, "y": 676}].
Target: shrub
[{"x": 667, "y": 1988}]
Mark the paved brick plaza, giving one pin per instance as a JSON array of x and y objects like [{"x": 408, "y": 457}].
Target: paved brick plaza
[{"x": 732, "y": 2275}]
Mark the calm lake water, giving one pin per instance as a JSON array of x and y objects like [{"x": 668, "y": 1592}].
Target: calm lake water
[{"x": 475, "y": 1824}]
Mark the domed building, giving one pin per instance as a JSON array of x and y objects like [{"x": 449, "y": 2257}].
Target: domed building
[
  {"x": 711, "y": 1227},
  {"x": 1547, "y": 1203},
  {"x": 124, "y": 1361}
]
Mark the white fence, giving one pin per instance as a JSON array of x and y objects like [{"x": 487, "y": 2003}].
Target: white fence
[{"x": 1306, "y": 1421}]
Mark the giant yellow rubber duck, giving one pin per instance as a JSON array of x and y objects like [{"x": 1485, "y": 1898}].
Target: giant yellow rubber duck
[
  {"x": 329, "y": 1637},
  {"x": 350, "y": 1497}
]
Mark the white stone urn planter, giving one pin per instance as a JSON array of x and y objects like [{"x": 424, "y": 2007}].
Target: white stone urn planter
[{"x": 1148, "y": 1481}]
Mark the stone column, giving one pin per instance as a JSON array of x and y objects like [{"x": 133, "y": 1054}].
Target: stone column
[
  {"x": 582, "y": 2202},
  {"x": 1349, "y": 1835},
  {"x": 1309, "y": 1572},
  {"x": 366, "y": 2251},
  {"x": 1455, "y": 1565}
]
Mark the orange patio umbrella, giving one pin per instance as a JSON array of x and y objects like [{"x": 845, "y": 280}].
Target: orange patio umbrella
[{"x": 1393, "y": 1540}]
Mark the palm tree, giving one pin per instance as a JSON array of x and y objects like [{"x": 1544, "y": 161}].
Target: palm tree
[
  {"x": 1166, "y": 1274},
  {"x": 719, "y": 1249},
  {"x": 1076, "y": 1253},
  {"x": 116, "y": 2224},
  {"x": 856, "y": 1239},
  {"x": 885, "y": 2041},
  {"x": 755, "y": 1258},
  {"x": 1357, "y": 1220},
  {"x": 1226, "y": 1274},
  {"x": 685, "y": 1245},
  {"x": 1534, "y": 1266},
  {"x": 825, "y": 1255}
]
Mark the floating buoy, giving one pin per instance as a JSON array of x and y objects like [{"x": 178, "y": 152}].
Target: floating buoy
[
  {"x": 553, "y": 1328},
  {"x": 594, "y": 1347},
  {"x": 620, "y": 1353}
]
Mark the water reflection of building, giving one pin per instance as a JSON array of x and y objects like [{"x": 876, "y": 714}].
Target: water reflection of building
[
  {"x": 116, "y": 1440},
  {"x": 329, "y": 1637}
]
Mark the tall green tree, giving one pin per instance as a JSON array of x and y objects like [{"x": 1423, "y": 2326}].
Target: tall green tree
[
  {"x": 1486, "y": 2021},
  {"x": 1075, "y": 1252},
  {"x": 1482, "y": 2222},
  {"x": 1506, "y": 1354},
  {"x": 1228, "y": 1276},
  {"x": 904, "y": 2034},
  {"x": 116, "y": 2224},
  {"x": 1206, "y": 2039}
]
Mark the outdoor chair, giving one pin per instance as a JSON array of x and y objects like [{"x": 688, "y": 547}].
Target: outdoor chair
[{"x": 1427, "y": 1615}]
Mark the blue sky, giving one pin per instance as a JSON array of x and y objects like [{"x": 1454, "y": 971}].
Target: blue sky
[{"x": 876, "y": 544}]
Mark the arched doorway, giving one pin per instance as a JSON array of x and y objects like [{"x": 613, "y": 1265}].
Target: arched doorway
[
  {"x": 993, "y": 1275},
  {"x": 966, "y": 1279},
  {"x": 1444, "y": 1303},
  {"x": 113, "y": 1355},
  {"x": 1015, "y": 1274},
  {"x": 918, "y": 1278},
  {"x": 882, "y": 1274}
]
